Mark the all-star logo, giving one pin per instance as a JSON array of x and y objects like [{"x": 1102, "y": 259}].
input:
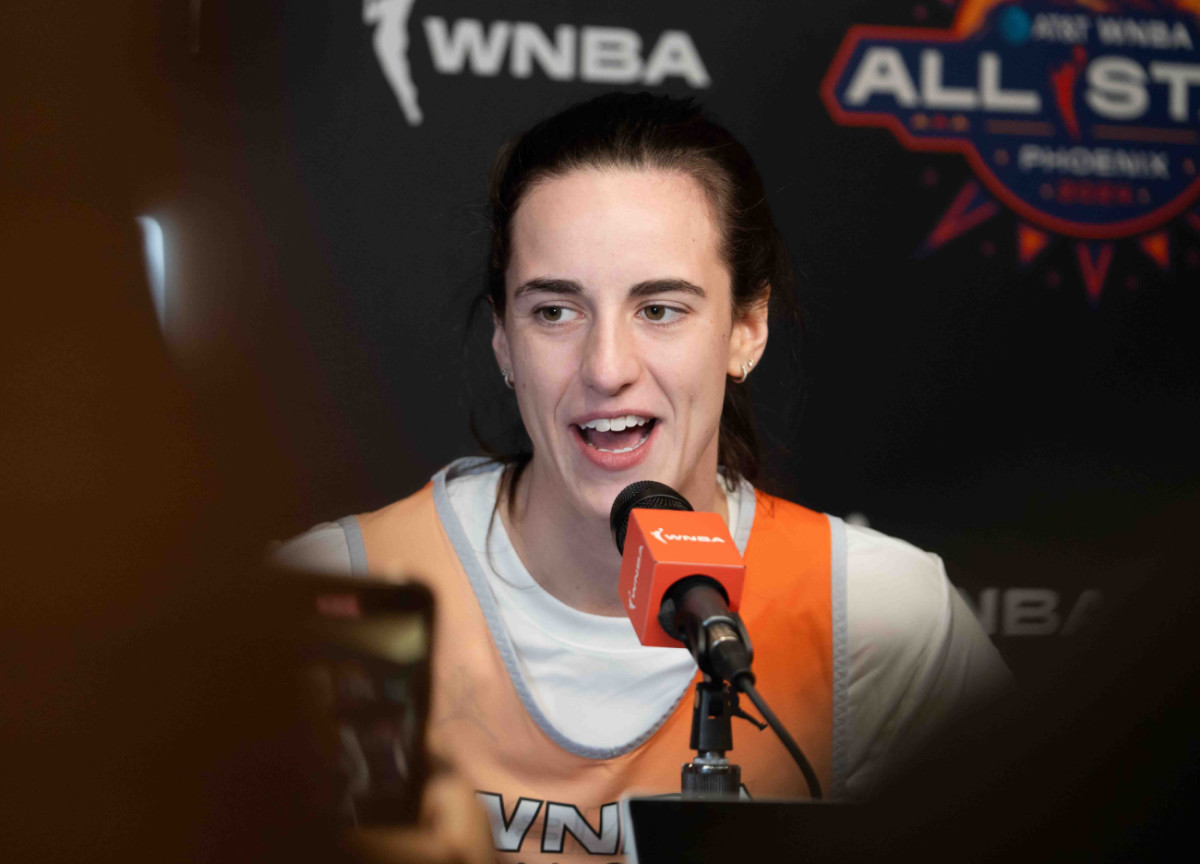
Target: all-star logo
[
  {"x": 604, "y": 55},
  {"x": 1081, "y": 117}
]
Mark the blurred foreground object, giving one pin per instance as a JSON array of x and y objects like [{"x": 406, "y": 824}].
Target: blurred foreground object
[
  {"x": 1098, "y": 759},
  {"x": 452, "y": 827},
  {"x": 148, "y": 714},
  {"x": 363, "y": 663}
]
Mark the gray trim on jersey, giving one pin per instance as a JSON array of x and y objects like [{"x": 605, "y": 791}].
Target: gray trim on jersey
[
  {"x": 491, "y": 612},
  {"x": 747, "y": 503},
  {"x": 355, "y": 545},
  {"x": 841, "y": 658}
]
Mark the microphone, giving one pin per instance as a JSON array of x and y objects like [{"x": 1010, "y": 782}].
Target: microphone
[
  {"x": 681, "y": 578},
  {"x": 681, "y": 581}
]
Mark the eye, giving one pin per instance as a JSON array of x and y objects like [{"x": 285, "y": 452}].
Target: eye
[
  {"x": 660, "y": 314},
  {"x": 555, "y": 314}
]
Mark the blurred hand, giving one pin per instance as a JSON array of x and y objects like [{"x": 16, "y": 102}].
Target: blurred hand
[{"x": 452, "y": 829}]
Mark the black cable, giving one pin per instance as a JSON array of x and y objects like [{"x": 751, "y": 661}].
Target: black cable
[{"x": 746, "y": 685}]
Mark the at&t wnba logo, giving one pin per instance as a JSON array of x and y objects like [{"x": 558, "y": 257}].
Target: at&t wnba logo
[
  {"x": 606, "y": 55},
  {"x": 1083, "y": 118}
]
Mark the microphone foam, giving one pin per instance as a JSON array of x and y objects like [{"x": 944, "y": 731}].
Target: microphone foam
[{"x": 646, "y": 494}]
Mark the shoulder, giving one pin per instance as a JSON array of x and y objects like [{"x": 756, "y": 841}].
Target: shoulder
[
  {"x": 769, "y": 509},
  {"x": 340, "y": 547},
  {"x": 411, "y": 514},
  {"x": 788, "y": 528},
  {"x": 897, "y": 596},
  {"x": 906, "y": 622},
  {"x": 455, "y": 497},
  {"x": 394, "y": 537},
  {"x": 918, "y": 659},
  {"x": 428, "y": 529},
  {"x": 324, "y": 548},
  {"x": 404, "y": 537}
]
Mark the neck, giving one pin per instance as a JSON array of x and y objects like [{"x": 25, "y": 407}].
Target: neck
[{"x": 568, "y": 553}]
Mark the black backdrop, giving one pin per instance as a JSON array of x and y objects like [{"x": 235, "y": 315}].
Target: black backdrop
[{"x": 323, "y": 253}]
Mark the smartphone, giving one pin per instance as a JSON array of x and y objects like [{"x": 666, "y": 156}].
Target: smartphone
[{"x": 362, "y": 664}]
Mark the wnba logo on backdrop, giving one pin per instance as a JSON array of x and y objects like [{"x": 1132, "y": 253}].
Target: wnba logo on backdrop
[
  {"x": 605, "y": 55},
  {"x": 1080, "y": 117}
]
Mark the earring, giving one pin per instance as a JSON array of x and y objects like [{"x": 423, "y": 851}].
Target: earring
[
  {"x": 507, "y": 376},
  {"x": 746, "y": 367}
]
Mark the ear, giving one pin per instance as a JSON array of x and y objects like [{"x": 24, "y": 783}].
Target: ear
[
  {"x": 749, "y": 337},
  {"x": 500, "y": 344}
]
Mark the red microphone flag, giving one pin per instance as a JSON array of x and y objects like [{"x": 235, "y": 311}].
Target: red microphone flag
[{"x": 664, "y": 546}]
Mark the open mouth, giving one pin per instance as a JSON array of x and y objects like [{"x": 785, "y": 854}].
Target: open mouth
[{"x": 617, "y": 434}]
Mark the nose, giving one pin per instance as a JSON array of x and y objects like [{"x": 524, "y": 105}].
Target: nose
[{"x": 610, "y": 361}]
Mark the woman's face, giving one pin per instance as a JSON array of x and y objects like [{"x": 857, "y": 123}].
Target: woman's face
[{"x": 619, "y": 334}]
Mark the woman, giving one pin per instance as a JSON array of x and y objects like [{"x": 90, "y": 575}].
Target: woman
[{"x": 633, "y": 263}]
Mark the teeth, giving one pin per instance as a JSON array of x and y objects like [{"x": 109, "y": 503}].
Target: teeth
[
  {"x": 624, "y": 449},
  {"x": 616, "y": 424},
  {"x": 646, "y": 437}
]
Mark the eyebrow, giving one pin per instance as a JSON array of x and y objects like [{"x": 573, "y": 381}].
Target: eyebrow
[
  {"x": 641, "y": 289},
  {"x": 548, "y": 286},
  {"x": 666, "y": 286}
]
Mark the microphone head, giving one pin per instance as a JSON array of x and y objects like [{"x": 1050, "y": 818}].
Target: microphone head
[{"x": 644, "y": 494}]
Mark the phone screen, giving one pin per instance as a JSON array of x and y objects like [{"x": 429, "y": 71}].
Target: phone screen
[{"x": 364, "y": 673}]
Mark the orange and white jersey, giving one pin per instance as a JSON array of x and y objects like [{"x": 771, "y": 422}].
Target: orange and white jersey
[{"x": 854, "y": 689}]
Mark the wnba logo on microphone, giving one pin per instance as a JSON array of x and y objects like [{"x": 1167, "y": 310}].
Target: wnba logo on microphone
[
  {"x": 637, "y": 571},
  {"x": 658, "y": 535}
]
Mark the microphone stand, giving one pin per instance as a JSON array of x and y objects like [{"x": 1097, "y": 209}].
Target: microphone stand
[
  {"x": 719, "y": 642},
  {"x": 711, "y": 774}
]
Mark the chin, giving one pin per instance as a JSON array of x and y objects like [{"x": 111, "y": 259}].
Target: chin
[{"x": 596, "y": 501}]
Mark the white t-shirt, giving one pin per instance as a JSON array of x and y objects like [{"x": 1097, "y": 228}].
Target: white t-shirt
[{"x": 916, "y": 655}]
